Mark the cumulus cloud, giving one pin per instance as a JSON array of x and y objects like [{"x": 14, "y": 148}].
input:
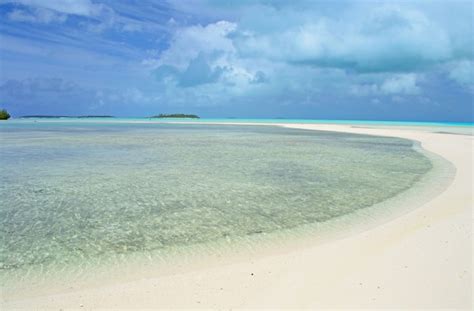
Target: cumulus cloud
[
  {"x": 222, "y": 53},
  {"x": 395, "y": 39},
  {"x": 275, "y": 57},
  {"x": 387, "y": 38},
  {"x": 204, "y": 54},
  {"x": 197, "y": 72},
  {"x": 188, "y": 42}
]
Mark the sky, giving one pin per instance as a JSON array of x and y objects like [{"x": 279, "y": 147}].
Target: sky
[{"x": 360, "y": 60}]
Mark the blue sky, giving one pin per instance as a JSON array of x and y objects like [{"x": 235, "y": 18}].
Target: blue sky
[{"x": 385, "y": 60}]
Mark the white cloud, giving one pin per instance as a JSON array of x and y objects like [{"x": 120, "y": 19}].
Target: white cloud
[
  {"x": 205, "y": 54},
  {"x": 313, "y": 54},
  {"x": 228, "y": 68},
  {"x": 396, "y": 84},
  {"x": 189, "y": 42},
  {"x": 76, "y": 7},
  {"x": 401, "y": 84},
  {"x": 57, "y": 11},
  {"x": 383, "y": 39},
  {"x": 37, "y": 15},
  {"x": 462, "y": 72}
]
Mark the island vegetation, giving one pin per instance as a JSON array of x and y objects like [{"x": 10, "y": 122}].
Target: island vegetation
[
  {"x": 4, "y": 115},
  {"x": 176, "y": 115}
]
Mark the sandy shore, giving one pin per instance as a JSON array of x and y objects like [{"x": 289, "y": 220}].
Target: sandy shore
[{"x": 420, "y": 260}]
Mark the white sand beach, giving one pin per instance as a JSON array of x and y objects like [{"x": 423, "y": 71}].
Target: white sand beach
[{"x": 420, "y": 260}]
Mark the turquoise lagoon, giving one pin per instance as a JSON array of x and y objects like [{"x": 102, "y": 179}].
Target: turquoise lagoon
[{"x": 73, "y": 192}]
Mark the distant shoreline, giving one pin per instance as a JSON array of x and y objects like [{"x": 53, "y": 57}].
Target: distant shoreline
[
  {"x": 176, "y": 115},
  {"x": 263, "y": 121},
  {"x": 55, "y": 117}
]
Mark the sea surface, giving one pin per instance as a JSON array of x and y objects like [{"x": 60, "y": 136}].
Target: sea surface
[{"x": 76, "y": 191}]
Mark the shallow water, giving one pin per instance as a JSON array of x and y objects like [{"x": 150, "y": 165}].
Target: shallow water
[{"x": 72, "y": 192}]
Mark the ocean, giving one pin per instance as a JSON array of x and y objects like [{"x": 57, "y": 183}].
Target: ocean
[{"x": 76, "y": 193}]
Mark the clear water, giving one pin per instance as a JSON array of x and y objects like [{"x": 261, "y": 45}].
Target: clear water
[
  {"x": 72, "y": 192},
  {"x": 462, "y": 128}
]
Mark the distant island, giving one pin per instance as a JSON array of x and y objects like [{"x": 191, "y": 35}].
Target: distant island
[
  {"x": 4, "y": 115},
  {"x": 176, "y": 115},
  {"x": 48, "y": 116}
]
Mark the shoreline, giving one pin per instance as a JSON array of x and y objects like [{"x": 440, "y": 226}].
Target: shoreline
[{"x": 298, "y": 278}]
